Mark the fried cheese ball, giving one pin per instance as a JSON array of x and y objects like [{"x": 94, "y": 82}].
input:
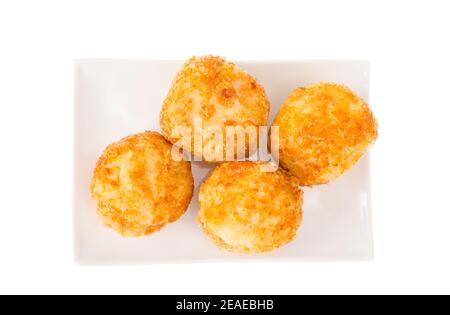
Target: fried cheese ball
[
  {"x": 244, "y": 208},
  {"x": 212, "y": 93},
  {"x": 138, "y": 188},
  {"x": 324, "y": 129}
]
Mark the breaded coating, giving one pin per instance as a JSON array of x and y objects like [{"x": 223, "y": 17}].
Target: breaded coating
[
  {"x": 138, "y": 188},
  {"x": 244, "y": 208},
  {"x": 217, "y": 93},
  {"x": 324, "y": 129}
]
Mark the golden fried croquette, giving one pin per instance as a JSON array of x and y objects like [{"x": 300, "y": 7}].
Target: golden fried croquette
[
  {"x": 244, "y": 208},
  {"x": 324, "y": 129},
  {"x": 138, "y": 188},
  {"x": 216, "y": 93}
]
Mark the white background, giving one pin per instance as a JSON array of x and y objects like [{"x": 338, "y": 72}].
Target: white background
[{"x": 408, "y": 46}]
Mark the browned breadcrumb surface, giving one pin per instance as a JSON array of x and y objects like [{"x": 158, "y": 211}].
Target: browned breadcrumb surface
[
  {"x": 324, "y": 130},
  {"x": 244, "y": 208},
  {"x": 219, "y": 93},
  {"x": 138, "y": 188}
]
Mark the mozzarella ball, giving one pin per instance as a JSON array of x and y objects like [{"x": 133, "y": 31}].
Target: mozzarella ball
[
  {"x": 250, "y": 207},
  {"x": 138, "y": 187},
  {"x": 324, "y": 129},
  {"x": 208, "y": 95}
]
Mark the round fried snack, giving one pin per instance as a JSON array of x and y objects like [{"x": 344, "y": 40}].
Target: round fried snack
[
  {"x": 208, "y": 94},
  {"x": 324, "y": 129},
  {"x": 246, "y": 208},
  {"x": 138, "y": 188}
]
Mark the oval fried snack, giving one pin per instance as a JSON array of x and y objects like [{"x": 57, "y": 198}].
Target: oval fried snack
[
  {"x": 324, "y": 129},
  {"x": 138, "y": 188},
  {"x": 244, "y": 208},
  {"x": 213, "y": 93}
]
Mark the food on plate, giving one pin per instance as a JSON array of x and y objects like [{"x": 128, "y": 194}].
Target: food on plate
[
  {"x": 324, "y": 129},
  {"x": 138, "y": 187},
  {"x": 208, "y": 94},
  {"x": 250, "y": 207}
]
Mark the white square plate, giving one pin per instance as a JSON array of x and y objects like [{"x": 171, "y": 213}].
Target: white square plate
[{"x": 115, "y": 98}]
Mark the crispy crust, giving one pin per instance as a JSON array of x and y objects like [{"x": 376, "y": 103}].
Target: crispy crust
[
  {"x": 138, "y": 188},
  {"x": 324, "y": 130},
  {"x": 219, "y": 93},
  {"x": 244, "y": 209}
]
